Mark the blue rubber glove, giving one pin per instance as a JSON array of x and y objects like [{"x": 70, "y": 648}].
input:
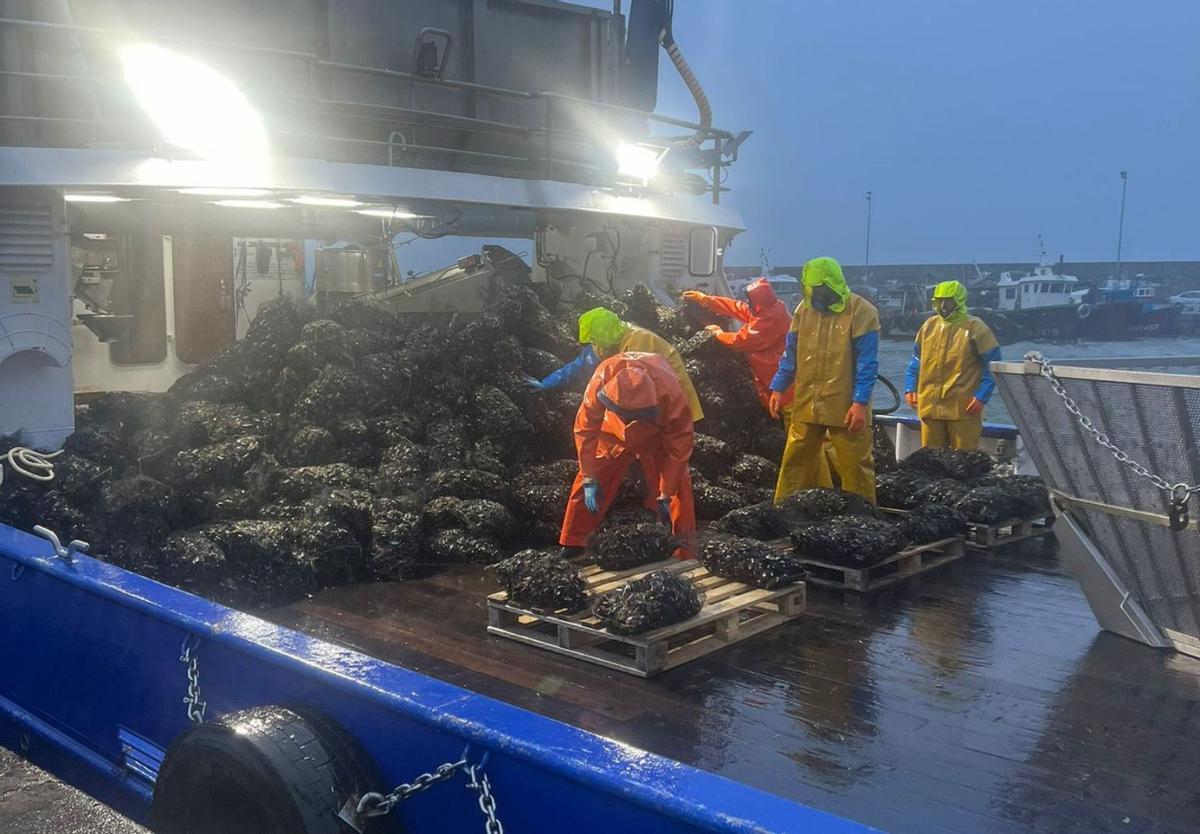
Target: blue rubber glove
[
  {"x": 664, "y": 511},
  {"x": 536, "y": 384},
  {"x": 591, "y": 496}
]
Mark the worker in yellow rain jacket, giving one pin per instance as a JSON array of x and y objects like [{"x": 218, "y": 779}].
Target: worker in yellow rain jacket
[
  {"x": 948, "y": 381},
  {"x": 605, "y": 335},
  {"x": 832, "y": 356}
]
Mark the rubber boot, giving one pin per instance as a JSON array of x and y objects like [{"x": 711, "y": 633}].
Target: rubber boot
[{"x": 571, "y": 552}]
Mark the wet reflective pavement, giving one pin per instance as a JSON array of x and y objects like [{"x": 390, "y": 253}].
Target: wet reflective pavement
[
  {"x": 980, "y": 697},
  {"x": 34, "y": 802}
]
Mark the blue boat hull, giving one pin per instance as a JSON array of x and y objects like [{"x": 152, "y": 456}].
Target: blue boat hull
[{"x": 91, "y": 660}]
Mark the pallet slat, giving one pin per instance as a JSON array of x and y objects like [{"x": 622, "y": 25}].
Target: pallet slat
[
  {"x": 906, "y": 564},
  {"x": 987, "y": 536},
  {"x": 732, "y": 611}
]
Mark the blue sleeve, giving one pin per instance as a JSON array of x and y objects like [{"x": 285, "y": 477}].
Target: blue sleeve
[
  {"x": 866, "y": 365},
  {"x": 987, "y": 385},
  {"x": 786, "y": 374},
  {"x": 579, "y": 367},
  {"x": 914, "y": 369}
]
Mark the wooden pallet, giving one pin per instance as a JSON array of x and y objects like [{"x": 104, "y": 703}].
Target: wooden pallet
[
  {"x": 987, "y": 536},
  {"x": 906, "y": 564},
  {"x": 732, "y": 612}
]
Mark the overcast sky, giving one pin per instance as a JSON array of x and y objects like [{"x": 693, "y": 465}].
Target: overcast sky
[{"x": 977, "y": 125}]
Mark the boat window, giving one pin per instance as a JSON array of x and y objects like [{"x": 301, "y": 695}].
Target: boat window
[
  {"x": 1010, "y": 293},
  {"x": 702, "y": 251}
]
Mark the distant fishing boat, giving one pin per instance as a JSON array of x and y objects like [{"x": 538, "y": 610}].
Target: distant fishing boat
[{"x": 1045, "y": 304}]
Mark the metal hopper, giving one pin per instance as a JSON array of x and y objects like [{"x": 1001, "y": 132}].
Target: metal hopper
[{"x": 1118, "y": 451}]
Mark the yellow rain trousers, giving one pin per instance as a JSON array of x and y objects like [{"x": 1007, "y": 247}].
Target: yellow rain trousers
[
  {"x": 806, "y": 465},
  {"x": 956, "y": 434}
]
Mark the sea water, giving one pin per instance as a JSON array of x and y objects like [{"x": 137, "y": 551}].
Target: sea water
[{"x": 894, "y": 356}]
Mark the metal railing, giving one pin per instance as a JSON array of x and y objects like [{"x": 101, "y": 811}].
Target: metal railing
[{"x": 555, "y": 143}]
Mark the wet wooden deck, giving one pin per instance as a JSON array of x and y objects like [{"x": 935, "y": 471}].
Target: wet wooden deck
[{"x": 979, "y": 698}]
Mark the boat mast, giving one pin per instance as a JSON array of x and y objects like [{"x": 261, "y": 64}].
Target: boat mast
[
  {"x": 1121, "y": 226},
  {"x": 867, "y": 256}
]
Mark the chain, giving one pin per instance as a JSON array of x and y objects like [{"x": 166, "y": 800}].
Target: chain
[
  {"x": 378, "y": 804},
  {"x": 192, "y": 702},
  {"x": 487, "y": 802},
  {"x": 1178, "y": 493}
]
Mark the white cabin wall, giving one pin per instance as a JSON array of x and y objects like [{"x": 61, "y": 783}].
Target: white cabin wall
[
  {"x": 35, "y": 354},
  {"x": 643, "y": 251}
]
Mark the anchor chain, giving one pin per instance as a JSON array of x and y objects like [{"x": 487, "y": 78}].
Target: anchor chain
[
  {"x": 193, "y": 704},
  {"x": 1178, "y": 494},
  {"x": 487, "y": 802},
  {"x": 380, "y": 804}
]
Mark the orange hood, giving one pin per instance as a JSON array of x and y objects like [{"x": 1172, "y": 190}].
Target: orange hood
[
  {"x": 631, "y": 395},
  {"x": 760, "y": 294}
]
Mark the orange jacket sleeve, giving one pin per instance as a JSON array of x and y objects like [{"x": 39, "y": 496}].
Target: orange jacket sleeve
[
  {"x": 588, "y": 421},
  {"x": 721, "y": 306},
  {"x": 748, "y": 339}
]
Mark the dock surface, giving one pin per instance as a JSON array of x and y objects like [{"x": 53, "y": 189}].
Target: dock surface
[
  {"x": 978, "y": 697},
  {"x": 34, "y": 802}
]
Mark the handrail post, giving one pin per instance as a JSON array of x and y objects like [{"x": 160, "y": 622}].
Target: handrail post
[
  {"x": 312, "y": 110},
  {"x": 549, "y": 136},
  {"x": 716, "y": 173}
]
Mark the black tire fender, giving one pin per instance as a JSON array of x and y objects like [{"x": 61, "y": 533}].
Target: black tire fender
[{"x": 267, "y": 770}]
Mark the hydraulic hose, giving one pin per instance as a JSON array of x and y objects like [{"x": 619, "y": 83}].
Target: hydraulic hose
[
  {"x": 689, "y": 78},
  {"x": 895, "y": 395},
  {"x": 30, "y": 463}
]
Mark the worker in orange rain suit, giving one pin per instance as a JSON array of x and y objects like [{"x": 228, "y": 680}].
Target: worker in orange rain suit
[
  {"x": 949, "y": 380},
  {"x": 832, "y": 356},
  {"x": 634, "y": 407},
  {"x": 604, "y": 334},
  {"x": 765, "y": 322}
]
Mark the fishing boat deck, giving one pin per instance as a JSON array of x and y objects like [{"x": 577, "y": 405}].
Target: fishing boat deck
[{"x": 980, "y": 697}]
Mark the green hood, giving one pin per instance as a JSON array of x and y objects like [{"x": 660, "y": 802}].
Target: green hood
[
  {"x": 955, "y": 290},
  {"x": 825, "y": 271},
  {"x": 600, "y": 326}
]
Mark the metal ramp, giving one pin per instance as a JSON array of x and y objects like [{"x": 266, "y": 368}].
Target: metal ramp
[{"x": 1141, "y": 577}]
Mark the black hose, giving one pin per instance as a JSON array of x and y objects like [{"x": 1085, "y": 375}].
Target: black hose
[
  {"x": 667, "y": 38},
  {"x": 895, "y": 395}
]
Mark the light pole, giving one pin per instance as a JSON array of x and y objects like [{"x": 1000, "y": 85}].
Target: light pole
[
  {"x": 1121, "y": 227},
  {"x": 867, "y": 257}
]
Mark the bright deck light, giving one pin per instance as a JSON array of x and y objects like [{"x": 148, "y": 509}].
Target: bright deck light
[
  {"x": 193, "y": 105},
  {"x": 330, "y": 202},
  {"x": 225, "y": 192},
  {"x": 94, "y": 198},
  {"x": 637, "y": 161},
  {"x": 391, "y": 214},
  {"x": 251, "y": 204}
]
